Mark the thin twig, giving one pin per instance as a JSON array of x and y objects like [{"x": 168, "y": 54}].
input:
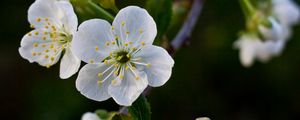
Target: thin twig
[
  {"x": 181, "y": 37},
  {"x": 188, "y": 25}
]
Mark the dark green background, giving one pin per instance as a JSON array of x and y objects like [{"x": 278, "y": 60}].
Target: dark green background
[{"x": 207, "y": 79}]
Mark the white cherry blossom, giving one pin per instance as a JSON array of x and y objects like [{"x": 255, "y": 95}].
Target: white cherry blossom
[
  {"x": 90, "y": 116},
  {"x": 251, "y": 48},
  {"x": 121, "y": 59},
  {"x": 54, "y": 24}
]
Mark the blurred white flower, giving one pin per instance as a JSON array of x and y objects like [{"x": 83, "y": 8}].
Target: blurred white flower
[
  {"x": 268, "y": 33},
  {"x": 251, "y": 48},
  {"x": 122, "y": 60},
  {"x": 274, "y": 31},
  {"x": 286, "y": 11},
  {"x": 203, "y": 118},
  {"x": 90, "y": 116},
  {"x": 54, "y": 23}
]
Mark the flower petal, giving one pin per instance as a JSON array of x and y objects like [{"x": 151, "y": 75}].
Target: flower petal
[
  {"x": 42, "y": 9},
  {"x": 129, "y": 89},
  {"x": 276, "y": 32},
  {"x": 286, "y": 11},
  {"x": 134, "y": 24},
  {"x": 69, "y": 19},
  {"x": 69, "y": 64},
  {"x": 159, "y": 64},
  {"x": 247, "y": 46},
  {"x": 57, "y": 13},
  {"x": 90, "y": 116},
  {"x": 93, "y": 42},
  {"x": 88, "y": 81},
  {"x": 38, "y": 47}
]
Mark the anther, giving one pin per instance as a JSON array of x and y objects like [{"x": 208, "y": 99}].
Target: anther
[
  {"x": 143, "y": 43},
  {"x": 100, "y": 75},
  {"x": 46, "y": 56},
  {"x": 35, "y": 44},
  {"x": 148, "y": 65},
  {"x": 52, "y": 59},
  {"x": 113, "y": 42},
  {"x": 38, "y": 19},
  {"x": 33, "y": 54},
  {"x": 36, "y": 33},
  {"x": 106, "y": 62},
  {"x": 107, "y": 43},
  {"x": 121, "y": 77},
  {"x": 91, "y": 61},
  {"x": 123, "y": 23},
  {"x": 141, "y": 31},
  {"x": 96, "y": 48},
  {"x": 99, "y": 82}
]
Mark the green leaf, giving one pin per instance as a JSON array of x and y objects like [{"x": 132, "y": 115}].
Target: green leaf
[
  {"x": 108, "y": 4},
  {"x": 87, "y": 9},
  {"x": 103, "y": 114},
  {"x": 140, "y": 109},
  {"x": 161, "y": 11},
  {"x": 121, "y": 117}
]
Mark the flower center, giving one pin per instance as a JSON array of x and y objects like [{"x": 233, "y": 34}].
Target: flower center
[
  {"x": 64, "y": 38},
  {"x": 122, "y": 57}
]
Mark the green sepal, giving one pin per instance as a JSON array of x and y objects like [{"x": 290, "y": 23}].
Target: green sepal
[{"x": 140, "y": 109}]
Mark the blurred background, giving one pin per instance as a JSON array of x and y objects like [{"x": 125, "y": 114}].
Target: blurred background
[{"x": 207, "y": 80}]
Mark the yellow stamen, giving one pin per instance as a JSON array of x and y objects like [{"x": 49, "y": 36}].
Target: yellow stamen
[
  {"x": 143, "y": 43},
  {"x": 97, "y": 48},
  {"x": 35, "y": 44},
  {"x": 38, "y": 19},
  {"x": 100, "y": 75}
]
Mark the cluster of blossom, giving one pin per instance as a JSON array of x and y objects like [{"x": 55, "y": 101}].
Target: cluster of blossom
[
  {"x": 121, "y": 60},
  {"x": 268, "y": 30}
]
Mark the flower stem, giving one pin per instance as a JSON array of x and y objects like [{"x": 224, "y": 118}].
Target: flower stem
[
  {"x": 101, "y": 11},
  {"x": 247, "y": 8}
]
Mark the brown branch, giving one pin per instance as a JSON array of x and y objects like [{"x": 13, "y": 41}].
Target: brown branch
[{"x": 188, "y": 26}]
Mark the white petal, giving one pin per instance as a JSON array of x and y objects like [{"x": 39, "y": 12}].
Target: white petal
[
  {"x": 69, "y": 19},
  {"x": 203, "y": 118},
  {"x": 90, "y": 42},
  {"x": 270, "y": 49},
  {"x": 129, "y": 89},
  {"x": 43, "y": 9},
  {"x": 88, "y": 85},
  {"x": 275, "y": 47},
  {"x": 37, "y": 49},
  {"x": 58, "y": 13},
  {"x": 286, "y": 11},
  {"x": 69, "y": 64},
  {"x": 90, "y": 116},
  {"x": 134, "y": 24},
  {"x": 159, "y": 62},
  {"x": 247, "y": 46},
  {"x": 276, "y": 32}
]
